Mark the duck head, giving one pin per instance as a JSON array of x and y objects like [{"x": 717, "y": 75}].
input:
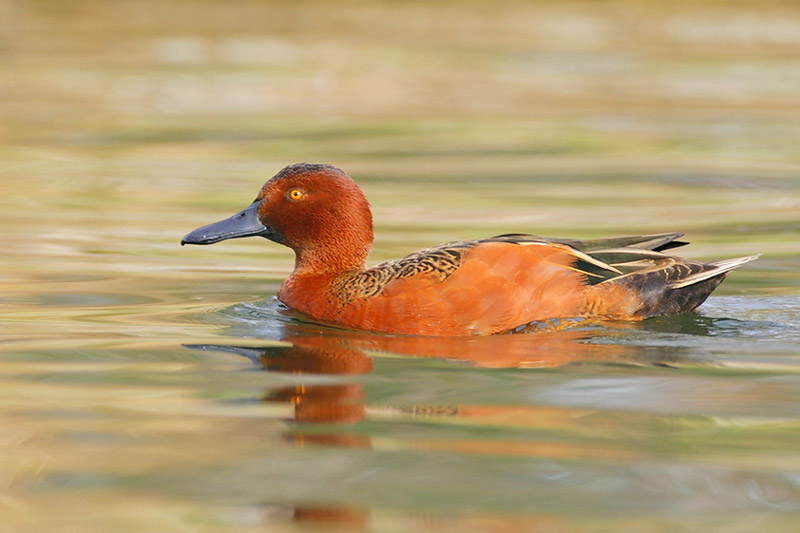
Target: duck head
[{"x": 316, "y": 210}]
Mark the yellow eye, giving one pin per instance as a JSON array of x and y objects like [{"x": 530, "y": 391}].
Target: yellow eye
[{"x": 295, "y": 194}]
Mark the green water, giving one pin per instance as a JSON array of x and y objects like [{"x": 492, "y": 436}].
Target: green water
[{"x": 149, "y": 387}]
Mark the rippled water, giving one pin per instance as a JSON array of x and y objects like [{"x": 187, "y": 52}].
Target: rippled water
[
  {"x": 149, "y": 387},
  {"x": 678, "y": 420}
]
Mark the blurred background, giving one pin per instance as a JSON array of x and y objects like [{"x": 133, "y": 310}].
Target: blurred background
[
  {"x": 567, "y": 119},
  {"x": 125, "y": 124}
]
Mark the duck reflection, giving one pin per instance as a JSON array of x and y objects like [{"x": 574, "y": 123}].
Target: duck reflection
[
  {"x": 329, "y": 517},
  {"x": 329, "y": 398},
  {"x": 313, "y": 403},
  {"x": 349, "y": 389},
  {"x": 345, "y": 356},
  {"x": 340, "y": 518}
]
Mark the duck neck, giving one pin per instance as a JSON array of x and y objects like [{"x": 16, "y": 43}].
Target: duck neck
[
  {"x": 330, "y": 251},
  {"x": 329, "y": 261},
  {"x": 309, "y": 288}
]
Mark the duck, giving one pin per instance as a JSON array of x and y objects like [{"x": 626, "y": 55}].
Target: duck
[{"x": 486, "y": 286}]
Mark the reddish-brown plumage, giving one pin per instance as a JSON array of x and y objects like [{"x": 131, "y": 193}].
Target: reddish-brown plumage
[
  {"x": 329, "y": 229},
  {"x": 497, "y": 287},
  {"x": 462, "y": 288}
]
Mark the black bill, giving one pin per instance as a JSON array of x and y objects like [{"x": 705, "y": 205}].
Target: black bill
[{"x": 242, "y": 224}]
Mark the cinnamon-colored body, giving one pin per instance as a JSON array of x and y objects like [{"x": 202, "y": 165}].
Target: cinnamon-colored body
[{"x": 497, "y": 287}]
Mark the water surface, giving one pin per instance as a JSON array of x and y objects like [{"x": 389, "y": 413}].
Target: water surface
[{"x": 149, "y": 387}]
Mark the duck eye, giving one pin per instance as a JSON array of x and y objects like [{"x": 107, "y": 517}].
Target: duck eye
[{"x": 295, "y": 194}]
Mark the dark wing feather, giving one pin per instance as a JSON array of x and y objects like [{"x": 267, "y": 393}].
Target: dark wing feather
[
  {"x": 658, "y": 243},
  {"x": 616, "y": 258},
  {"x": 605, "y": 259}
]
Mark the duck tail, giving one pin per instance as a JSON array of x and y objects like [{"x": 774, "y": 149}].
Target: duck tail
[
  {"x": 679, "y": 286},
  {"x": 712, "y": 270}
]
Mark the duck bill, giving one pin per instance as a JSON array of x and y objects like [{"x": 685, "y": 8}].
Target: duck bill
[{"x": 242, "y": 224}]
